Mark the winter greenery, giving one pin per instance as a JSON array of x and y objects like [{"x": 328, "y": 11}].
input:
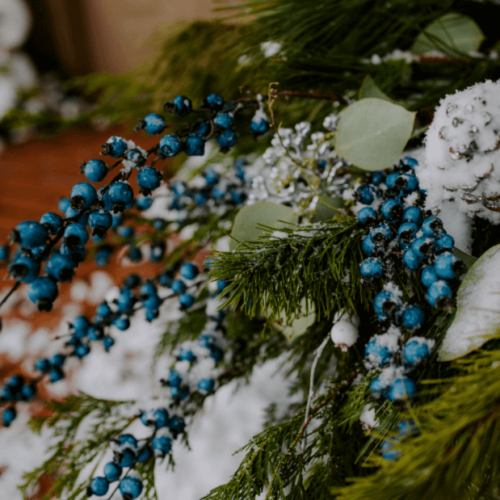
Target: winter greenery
[{"x": 344, "y": 227}]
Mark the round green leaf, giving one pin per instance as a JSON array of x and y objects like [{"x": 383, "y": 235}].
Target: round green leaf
[
  {"x": 245, "y": 227},
  {"x": 372, "y": 133},
  {"x": 325, "y": 210},
  {"x": 298, "y": 325},
  {"x": 450, "y": 34},
  {"x": 478, "y": 308},
  {"x": 370, "y": 89}
]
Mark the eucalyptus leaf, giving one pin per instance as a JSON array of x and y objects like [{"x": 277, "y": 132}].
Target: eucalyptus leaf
[
  {"x": 466, "y": 258},
  {"x": 298, "y": 325},
  {"x": 324, "y": 211},
  {"x": 245, "y": 227},
  {"x": 450, "y": 34},
  {"x": 372, "y": 133},
  {"x": 370, "y": 89},
  {"x": 478, "y": 308}
]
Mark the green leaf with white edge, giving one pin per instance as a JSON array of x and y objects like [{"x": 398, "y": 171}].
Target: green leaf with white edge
[
  {"x": 478, "y": 308},
  {"x": 369, "y": 89},
  {"x": 466, "y": 258},
  {"x": 373, "y": 133},
  {"x": 246, "y": 222},
  {"x": 326, "y": 209},
  {"x": 451, "y": 34},
  {"x": 298, "y": 325}
]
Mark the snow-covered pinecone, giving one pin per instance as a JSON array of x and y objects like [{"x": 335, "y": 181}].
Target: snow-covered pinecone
[{"x": 462, "y": 153}]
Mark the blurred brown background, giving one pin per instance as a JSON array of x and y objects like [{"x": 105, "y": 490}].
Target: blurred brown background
[{"x": 82, "y": 36}]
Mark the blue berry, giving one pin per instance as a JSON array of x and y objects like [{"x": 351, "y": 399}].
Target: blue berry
[
  {"x": 224, "y": 120},
  {"x": 95, "y": 333},
  {"x": 413, "y": 317},
  {"x": 180, "y": 392},
  {"x": 131, "y": 486},
  {"x": 386, "y": 303},
  {"x": 407, "y": 427},
  {"x": 181, "y": 106},
  {"x": 367, "y": 246},
  {"x": 413, "y": 214},
  {"x": 176, "y": 425},
  {"x": 402, "y": 388},
  {"x": 42, "y": 365},
  {"x": 390, "y": 180},
  {"x": 99, "y": 486},
  {"x": 378, "y": 387},
  {"x": 388, "y": 453},
  {"x": 178, "y": 286},
  {"x": 152, "y": 303},
  {"x": 135, "y": 254},
  {"x": 378, "y": 354},
  {"x": 127, "y": 440},
  {"x": 57, "y": 360},
  {"x": 206, "y": 385},
  {"x": 432, "y": 226},
  {"x": 189, "y": 271},
  {"x": 143, "y": 202},
  {"x": 56, "y": 374},
  {"x": 4, "y": 253},
  {"x": 83, "y": 196},
  {"x": 151, "y": 314},
  {"x": 378, "y": 177},
  {"x": 24, "y": 269},
  {"x": 423, "y": 246},
  {"x": 149, "y": 179},
  {"x": 161, "y": 445},
  {"x": 165, "y": 280},
  {"x": 154, "y": 124},
  {"x": 428, "y": 276},
  {"x": 122, "y": 323},
  {"x": 108, "y": 342},
  {"x": 200, "y": 199},
  {"x": 366, "y": 194},
  {"x": 125, "y": 300},
  {"x": 439, "y": 295},
  {"x": 202, "y": 129},
  {"x": 367, "y": 216},
  {"x": 77, "y": 255},
  {"x": 445, "y": 242},
  {"x": 144, "y": 454},
  {"x": 112, "y": 472},
  {"x": 407, "y": 231},
  {"x": 137, "y": 156},
  {"x": 126, "y": 231},
  {"x": 147, "y": 290},
  {"x": 372, "y": 268},
  {"x": 237, "y": 196},
  {"x": 411, "y": 260},
  {"x": 29, "y": 392},
  {"x": 381, "y": 234},
  {"x": 226, "y": 139},
  {"x": 121, "y": 194},
  {"x": 448, "y": 267},
  {"x": 260, "y": 125},
  {"x": 42, "y": 292},
  {"x": 81, "y": 217},
  {"x": 95, "y": 170},
  {"x": 99, "y": 222},
  {"x": 8, "y": 393},
  {"x": 186, "y": 355},
  {"x": 159, "y": 418},
  {"x": 103, "y": 310},
  {"x": 174, "y": 378},
  {"x": 82, "y": 350},
  {"x": 64, "y": 204},
  {"x": 30, "y": 234},
  {"x": 416, "y": 351},
  {"x": 103, "y": 255},
  {"x": 8, "y": 416},
  {"x": 186, "y": 300},
  {"x": 127, "y": 458},
  {"x": 115, "y": 146},
  {"x": 391, "y": 210},
  {"x": 194, "y": 145},
  {"x": 170, "y": 145},
  {"x": 53, "y": 222},
  {"x": 407, "y": 183},
  {"x": 60, "y": 267},
  {"x": 213, "y": 101},
  {"x": 75, "y": 236},
  {"x": 409, "y": 161}
]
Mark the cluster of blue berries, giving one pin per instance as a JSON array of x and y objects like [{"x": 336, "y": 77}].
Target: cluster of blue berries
[
  {"x": 128, "y": 451},
  {"x": 401, "y": 234},
  {"x": 16, "y": 389}
]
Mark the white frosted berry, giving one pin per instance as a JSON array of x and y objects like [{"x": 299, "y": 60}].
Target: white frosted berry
[{"x": 344, "y": 332}]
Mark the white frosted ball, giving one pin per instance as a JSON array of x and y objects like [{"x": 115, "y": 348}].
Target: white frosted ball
[
  {"x": 15, "y": 23},
  {"x": 344, "y": 334},
  {"x": 7, "y": 94}
]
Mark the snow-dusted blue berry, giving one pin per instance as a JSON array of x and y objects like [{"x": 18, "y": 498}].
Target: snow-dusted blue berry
[
  {"x": 449, "y": 267},
  {"x": 189, "y": 271},
  {"x": 8, "y": 416},
  {"x": 108, "y": 342},
  {"x": 42, "y": 292},
  {"x": 413, "y": 214},
  {"x": 423, "y": 246},
  {"x": 126, "y": 458},
  {"x": 413, "y": 317},
  {"x": 121, "y": 194},
  {"x": 367, "y": 246},
  {"x": 386, "y": 303},
  {"x": 411, "y": 260},
  {"x": 170, "y": 145},
  {"x": 122, "y": 323},
  {"x": 226, "y": 139},
  {"x": 154, "y": 124},
  {"x": 29, "y": 392},
  {"x": 377, "y": 353},
  {"x": 381, "y": 234},
  {"x": 143, "y": 202},
  {"x": 131, "y": 486},
  {"x": 115, "y": 146},
  {"x": 95, "y": 170},
  {"x": 388, "y": 452},
  {"x": 60, "y": 267},
  {"x": 56, "y": 374},
  {"x": 144, "y": 454},
  {"x": 83, "y": 196},
  {"x": 402, "y": 388},
  {"x": 178, "y": 286},
  {"x": 416, "y": 351},
  {"x": 24, "y": 269},
  {"x": 378, "y": 177},
  {"x": 112, "y": 472},
  {"x": 224, "y": 120},
  {"x": 75, "y": 236},
  {"x": 260, "y": 124},
  {"x": 30, "y": 234},
  {"x": 186, "y": 300},
  {"x": 53, "y": 222},
  {"x": 149, "y": 179},
  {"x": 367, "y": 216},
  {"x": 391, "y": 210},
  {"x": 161, "y": 445},
  {"x": 206, "y": 384},
  {"x": 432, "y": 226},
  {"x": 176, "y": 425},
  {"x": 372, "y": 268},
  {"x": 42, "y": 365},
  {"x": 213, "y": 101},
  {"x": 444, "y": 243},
  {"x": 181, "y": 106},
  {"x": 407, "y": 231},
  {"x": 194, "y": 145},
  {"x": 159, "y": 418},
  {"x": 439, "y": 294}
]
